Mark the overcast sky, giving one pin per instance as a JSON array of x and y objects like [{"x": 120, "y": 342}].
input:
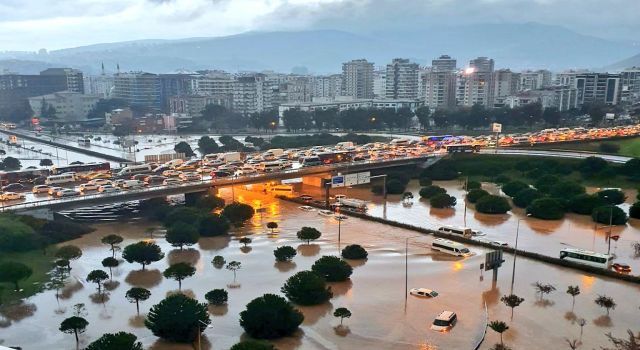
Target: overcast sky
[{"x": 54, "y": 24}]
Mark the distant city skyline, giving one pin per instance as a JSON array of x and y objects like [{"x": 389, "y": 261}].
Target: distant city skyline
[{"x": 29, "y": 25}]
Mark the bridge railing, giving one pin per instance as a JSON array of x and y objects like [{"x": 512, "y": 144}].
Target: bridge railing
[{"x": 206, "y": 183}]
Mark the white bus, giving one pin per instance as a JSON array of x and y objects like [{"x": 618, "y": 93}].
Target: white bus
[
  {"x": 586, "y": 257},
  {"x": 399, "y": 142},
  {"x": 135, "y": 169},
  {"x": 454, "y": 230},
  {"x": 449, "y": 247},
  {"x": 61, "y": 179},
  {"x": 269, "y": 167}
]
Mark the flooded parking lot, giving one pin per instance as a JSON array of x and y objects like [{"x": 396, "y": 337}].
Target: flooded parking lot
[{"x": 375, "y": 294}]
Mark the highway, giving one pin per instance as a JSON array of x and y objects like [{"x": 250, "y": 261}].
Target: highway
[{"x": 555, "y": 154}]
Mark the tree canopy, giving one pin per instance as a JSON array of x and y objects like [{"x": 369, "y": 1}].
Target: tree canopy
[
  {"x": 270, "y": 316},
  {"x": 308, "y": 234},
  {"x": 332, "y": 268},
  {"x": 143, "y": 253},
  {"x": 116, "y": 341},
  {"x": 306, "y": 288},
  {"x": 178, "y": 318}
]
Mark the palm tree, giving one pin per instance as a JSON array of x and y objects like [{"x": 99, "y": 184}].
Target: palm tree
[
  {"x": 606, "y": 302},
  {"x": 499, "y": 327},
  {"x": 543, "y": 288},
  {"x": 573, "y": 291},
  {"x": 512, "y": 301}
]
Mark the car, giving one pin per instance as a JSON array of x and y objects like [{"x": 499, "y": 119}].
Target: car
[
  {"x": 11, "y": 196},
  {"x": 119, "y": 182},
  {"x": 171, "y": 181},
  {"x": 100, "y": 176},
  {"x": 133, "y": 184},
  {"x": 305, "y": 197},
  {"x": 67, "y": 192},
  {"x": 306, "y": 208},
  {"x": 220, "y": 174},
  {"x": 14, "y": 187},
  {"x": 170, "y": 173},
  {"x": 154, "y": 179},
  {"x": 190, "y": 177},
  {"x": 500, "y": 243},
  {"x": 139, "y": 177},
  {"x": 108, "y": 188},
  {"x": 88, "y": 187},
  {"x": 423, "y": 292},
  {"x": 444, "y": 321},
  {"x": 41, "y": 189},
  {"x": 621, "y": 268},
  {"x": 100, "y": 182},
  {"x": 54, "y": 190}
]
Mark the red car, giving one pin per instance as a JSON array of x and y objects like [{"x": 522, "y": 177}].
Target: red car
[{"x": 621, "y": 268}]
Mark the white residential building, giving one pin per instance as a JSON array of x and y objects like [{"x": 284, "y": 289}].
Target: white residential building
[
  {"x": 70, "y": 106},
  {"x": 357, "y": 79},
  {"x": 252, "y": 93},
  {"x": 402, "y": 79}
]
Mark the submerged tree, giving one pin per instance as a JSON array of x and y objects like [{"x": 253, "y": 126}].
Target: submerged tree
[
  {"x": 499, "y": 327},
  {"x": 512, "y": 301},
  {"x": 137, "y": 294}
]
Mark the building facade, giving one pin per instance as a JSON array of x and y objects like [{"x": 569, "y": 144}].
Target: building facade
[
  {"x": 505, "y": 83},
  {"x": 402, "y": 79},
  {"x": 193, "y": 105},
  {"x": 357, "y": 79},
  {"x": 350, "y": 104},
  {"x": 70, "y": 106},
  {"x": 252, "y": 93},
  {"x": 630, "y": 85},
  {"x": 475, "y": 84},
  {"x": 139, "y": 89},
  {"x": 535, "y": 80},
  {"x": 327, "y": 86},
  {"x": 598, "y": 88},
  {"x": 74, "y": 78}
]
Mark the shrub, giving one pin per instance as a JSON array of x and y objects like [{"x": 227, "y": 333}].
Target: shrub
[
  {"x": 473, "y": 185},
  {"x": 592, "y": 165},
  {"x": 176, "y": 317},
  {"x": 253, "y": 345},
  {"x": 120, "y": 340},
  {"x": 609, "y": 213},
  {"x": 284, "y": 253},
  {"x": 217, "y": 297},
  {"x": 442, "y": 170},
  {"x": 213, "y": 225},
  {"x": 442, "y": 200},
  {"x": 395, "y": 186},
  {"x": 308, "y": 234},
  {"x": 306, "y": 288},
  {"x": 425, "y": 181},
  {"x": 474, "y": 195},
  {"x": 183, "y": 215},
  {"x": 491, "y": 204},
  {"x": 430, "y": 191},
  {"x": 634, "y": 210},
  {"x": 270, "y": 316},
  {"x": 607, "y": 147},
  {"x": 513, "y": 187},
  {"x": 238, "y": 213},
  {"x": 524, "y": 197},
  {"x": 566, "y": 189},
  {"x": 632, "y": 168},
  {"x": 218, "y": 261},
  {"x": 502, "y": 179},
  {"x": 545, "y": 182},
  {"x": 332, "y": 269},
  {"x": 612, "y": 196},
  {"x": 546, "y": 209},
  {"x": 16, "y": 236},
  {"x": 181, "y": 234},
  {"x": 584, "y": 204},
  {"x": 354, "y": 251}
]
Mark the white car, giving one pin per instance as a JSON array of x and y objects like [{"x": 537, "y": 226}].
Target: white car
[
  {"x": 54, "y": 190},
  {"x": 423, "y": 292},
  {"x": 67, "y": 192},
  {"x": 190, "y": 177},
  {"x": 41, "y": 189},
  {"x": 88, "y": 187},
  {"x": 100, "y": 182},
  {"x": 445, "y": 321},
  {"x": 306, "y": 208},
  {"x": 500, "y": 243},
  {"x": 131, "y": 184},
  {"x": 108, "y": 188},
  {"x": 11, "y": 196}
]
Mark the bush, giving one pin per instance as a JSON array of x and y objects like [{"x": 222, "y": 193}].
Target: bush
[
  {"x": 217, "y": 297},
  {"x": 473, "y": 185},
  {"x": 584, "y": 204},
  {"x": 252, "y": 345},
  {"x": 545, "y": 182},
  {"x": 395, "y": 186},
  {"x": 502, "y": 179},
  {"x": 632, "y": 168},
  {"x": 430, "y": 191},
  {"x": 442, "y": 170},
  {"x": 607, "y": 147},
  {"x": 15, "y": 236},
  {"x": 634, "y": 210},
  {"x": 332, "y": 269},
  {"x": 355, "y": 252},
  {"x": 474, "y": 195},
  {"x": 592, "y": 165},
  {"x": 425, "y": 181},
  {"x": 513, "y": 187},
  {"x": 284, "y": 253},
  {"x": 210, "y": 202},
  {"x": 270, "y": 316},
  {"x": 179, "y": 235},
  {"x": 238, "y": 213},
  {"x": 607, "y": 213},
  {"x": 566, "y": 189},
  {"x": 442, "y": 200},
  {"x": 176, "y": 317},
  {"x": 491, "y": 204},
  {"x": 546, "y": 209},
  {"x": 183, "y": 215},
  {"x": 306, "y": 288},
  {"x": 120, "y": 340},
  {"x": 212, "y": 225},
  {"x": 524, "y": 197},
  {"x": 612, "y": 196},
  {"x": 308, "y": 234}
]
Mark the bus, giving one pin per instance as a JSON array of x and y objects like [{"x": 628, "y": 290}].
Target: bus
[
  {"x": 104, "y": 167},
  {"x": 454, "y": 230},
  {"x": 22, "y": 176},
  {"x": 468, "y": 148},
  {"x": 449, "y": 247},
  {"x": 586, "y": 257},
  {"x": 135, "y": 169},
  {"x": 60, "y": 179},
  {"x": 269, "y": 167},
  {"x": 436, "y": 138}
]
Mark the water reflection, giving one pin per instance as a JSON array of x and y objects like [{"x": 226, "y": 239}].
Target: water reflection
[
  {"x": 137, "y": 321},
  {"x": 308, "y": 249},
  {"x": 99, "y": 298},
  {"x": 340, "y": 288},
  {"x": 356, "y": 262},
  {"x": 491, "y": 219},
  {"x": 190, "y": 256},
  {"x": 111, "y": 285},
  {"x": 69, "y": 290},
  {"x": 342, "y": 330},
  {"x": 214, "y": 243},
  {"x": 603, "y": 321},
  {"x": 144, "y": 278},
  {"x": 246, "y": 249},
  {"x": 442, "y": 213},
  {"x": 18, "y": 311},
  {"x": 314, "y": 313},
  {"x": 284, "y": 266},
  {"x": 218, "y": 310}
]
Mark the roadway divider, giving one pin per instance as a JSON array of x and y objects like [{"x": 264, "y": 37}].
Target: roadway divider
[{"x": 510, "y": 250}]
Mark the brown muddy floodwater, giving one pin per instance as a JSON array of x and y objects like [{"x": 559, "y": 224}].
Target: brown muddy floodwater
[{"x": 375, "y": 294}]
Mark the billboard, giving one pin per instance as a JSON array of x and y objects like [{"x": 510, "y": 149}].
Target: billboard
[
  {"x": 496, "y": 127},
  {"x": 337, "y": 181},
  {"x": 610, "y": 116},
  {"x": 351, "y": 179},
  {"x": 364, "y": 177},
  {"x": 493, "y": 260}
]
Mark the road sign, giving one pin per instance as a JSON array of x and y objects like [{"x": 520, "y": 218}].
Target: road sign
[
  {"x": 493, "y": 260},
  {"x": 610, "y": 116},
  {"x": 496, "y": 127},
  {"x": 364, "y": 177},
  {"x": 351, "y": 179},
  {"x": 337, "y": 181}
]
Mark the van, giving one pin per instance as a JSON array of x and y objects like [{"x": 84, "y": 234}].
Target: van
[
  {"x": 276, "y": 151},
  {"x": 132, "y": 184},
  {"x": 449, "y": 247},
  {"x": 230, "y": 157},
  {"x": 60, "y": 179},
  {"x": 311, "y": 161},
  {"x": 444, "y": 321},
  {"x": 135, "y": 169},
  {"x": 454, "y": 230},
  {"x": 173, "y": 163},
  {"x": 269, "y": 167}
]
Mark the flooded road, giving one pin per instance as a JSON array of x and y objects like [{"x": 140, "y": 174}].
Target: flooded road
[{"x": 375, "y": 294}]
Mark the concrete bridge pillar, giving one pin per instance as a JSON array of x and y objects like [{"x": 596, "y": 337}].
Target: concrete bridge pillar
[{"x": 314, "y": 180}]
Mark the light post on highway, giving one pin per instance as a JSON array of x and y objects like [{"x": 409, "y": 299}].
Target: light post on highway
[
  {"x": 199, "y": 331},
  {"x": 610, "y": 225},
  {"x": 515, "y": 253}
]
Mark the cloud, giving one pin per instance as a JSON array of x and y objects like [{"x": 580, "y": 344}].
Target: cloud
[{"x": 32, "y": 24}]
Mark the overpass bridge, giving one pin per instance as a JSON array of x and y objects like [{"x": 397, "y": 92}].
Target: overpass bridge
[{"x": 46, "y": 207}]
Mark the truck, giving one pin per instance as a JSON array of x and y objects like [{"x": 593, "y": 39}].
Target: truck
[
  {"x": 352, "y": 203},
  {"x": 230, "y": 157}
]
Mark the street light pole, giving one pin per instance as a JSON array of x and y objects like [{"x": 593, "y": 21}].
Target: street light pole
[
  {"x": 515, "y": 253},
  {"x": 610, "y": 227}
]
